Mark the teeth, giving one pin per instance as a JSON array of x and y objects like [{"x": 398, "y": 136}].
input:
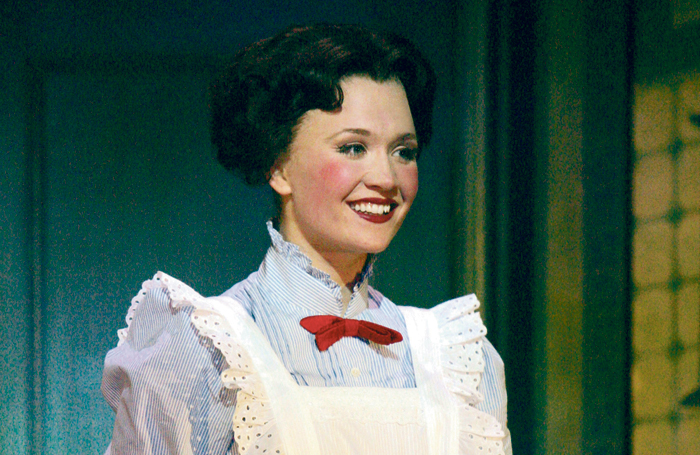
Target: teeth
[{"x": 374, "y": 209}]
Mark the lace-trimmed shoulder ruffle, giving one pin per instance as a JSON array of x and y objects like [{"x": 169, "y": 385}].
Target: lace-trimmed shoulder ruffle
[
  {"x": 253, "y": 422},
  {"x": 462, "y": 335}
]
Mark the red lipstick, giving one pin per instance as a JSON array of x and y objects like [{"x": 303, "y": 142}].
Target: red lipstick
[{"x": 374, "y": 217}]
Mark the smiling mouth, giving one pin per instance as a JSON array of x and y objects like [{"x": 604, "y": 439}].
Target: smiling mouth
[
  {"x": 369, "y": 208},
  {"x": 374, "y": 210}
]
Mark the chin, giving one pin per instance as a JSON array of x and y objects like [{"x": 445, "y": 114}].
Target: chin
[{"x": 374, "y": 248}]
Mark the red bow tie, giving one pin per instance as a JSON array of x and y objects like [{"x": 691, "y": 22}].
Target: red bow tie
[{"x": 329, "y": 329}]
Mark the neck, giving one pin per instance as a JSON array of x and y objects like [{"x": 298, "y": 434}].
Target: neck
[
  {"x": 343, "y": 270},
  {"x": 343, "y": 267}
]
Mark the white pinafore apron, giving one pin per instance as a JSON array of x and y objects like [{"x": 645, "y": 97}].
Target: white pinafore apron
[{"x": 355, "y": 420}]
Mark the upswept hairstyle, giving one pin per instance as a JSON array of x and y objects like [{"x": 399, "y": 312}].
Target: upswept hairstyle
[{"x": 258, "y": 102}]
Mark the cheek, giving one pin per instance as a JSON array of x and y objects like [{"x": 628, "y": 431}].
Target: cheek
[
  {"x": 336, "y": 177},
  {"x": 408, "y": 181},
  {"x": 328, "y": 182},
  {"x": 331, "y": 172}
]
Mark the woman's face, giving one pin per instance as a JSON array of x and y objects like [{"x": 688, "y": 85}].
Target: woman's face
[{"x": 351, "y": 175}]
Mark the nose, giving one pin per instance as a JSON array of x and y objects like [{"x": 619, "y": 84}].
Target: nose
[{"x": 380, "y": 173}]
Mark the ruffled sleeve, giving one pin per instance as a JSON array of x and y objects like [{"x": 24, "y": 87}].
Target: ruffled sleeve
[
  {"x": 473, "y": 372},
  {"x": 178, "y": 381}
]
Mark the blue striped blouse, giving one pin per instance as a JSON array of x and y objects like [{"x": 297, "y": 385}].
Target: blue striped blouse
[{"x": 165, "y": 352}]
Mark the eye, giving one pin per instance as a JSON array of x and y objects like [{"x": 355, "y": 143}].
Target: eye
[
  {"x": 406, "y": 153},
  {"x": 352, "y": 149}
]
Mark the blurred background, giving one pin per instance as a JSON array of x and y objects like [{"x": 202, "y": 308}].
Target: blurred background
[{"x": 562, "y": 186}]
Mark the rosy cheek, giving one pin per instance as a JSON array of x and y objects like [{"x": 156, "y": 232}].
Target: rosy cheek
[
  {"x": 408, "y": 181},
  {"x": 330, "y": 172},
  {"x": 336, "y": 177},
  {"x": 324, "y": 183}
]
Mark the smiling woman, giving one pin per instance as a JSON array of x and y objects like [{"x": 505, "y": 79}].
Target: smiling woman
[
  {"x": 349, "y": 178},
  {"x": 333, "y": 118}
]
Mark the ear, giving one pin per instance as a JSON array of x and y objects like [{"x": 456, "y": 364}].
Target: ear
[{"x": 278, "y": 180}]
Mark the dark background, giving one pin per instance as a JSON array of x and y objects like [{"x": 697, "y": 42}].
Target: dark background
[{"x": 107, "y": 176}]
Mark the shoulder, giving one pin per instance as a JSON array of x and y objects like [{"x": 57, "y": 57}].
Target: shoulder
[
  {"x": 172, "y": 334},
  {"x": 163, "y": 379},
  {"x": 462, "y": 338},
  {"x": 471, "y": 366},
  {"x": 222, "y": 366},
  {"x": 243, "y": 291},
  {"x": 470, "y": 362},
  {"x": 378, "y": 300},
  {"x": 160, "y": 344},
  {"x": 166, "y": 305},
  {"x": 162, "y": 305}
]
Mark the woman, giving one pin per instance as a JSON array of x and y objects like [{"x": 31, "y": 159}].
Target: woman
[{"x": 304, "y": 357}]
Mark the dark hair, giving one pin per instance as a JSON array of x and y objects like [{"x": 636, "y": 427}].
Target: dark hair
[{"x": 257, "y": 103}]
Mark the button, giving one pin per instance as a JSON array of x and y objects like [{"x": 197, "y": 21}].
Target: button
[{"x": 355, "y": 372}]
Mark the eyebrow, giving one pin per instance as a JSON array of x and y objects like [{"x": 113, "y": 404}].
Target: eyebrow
[
  {"x": 408, "y": 137},
  {"x": 359, "y": 131},
  {"x": 362, "y": 132}
]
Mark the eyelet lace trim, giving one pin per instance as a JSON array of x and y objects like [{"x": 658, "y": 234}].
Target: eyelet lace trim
[
  {"x": 253, "y": 424},
  {"x": 462, "y": 333},
  {"x": 462, "y": 359}
]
